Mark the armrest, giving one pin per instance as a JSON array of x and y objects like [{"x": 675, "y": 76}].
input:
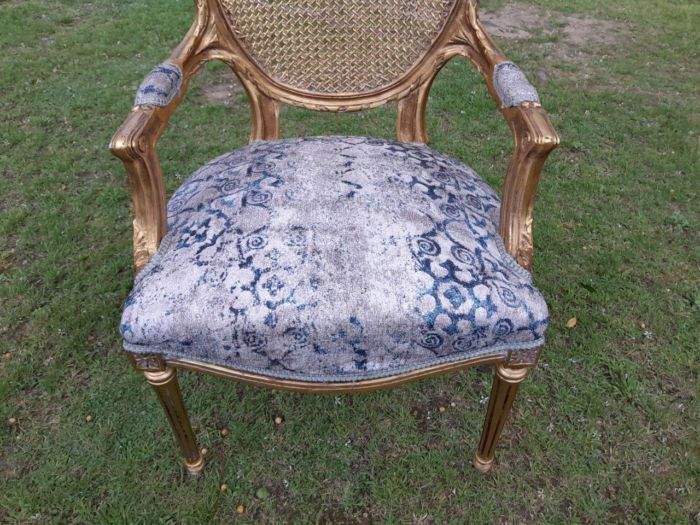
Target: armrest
[
  {"x": 533, "y": 134},
  {"x": 135, "y": 144},
  {"x": 135, "y": 141},
  {"x": 534, "y": 138}
]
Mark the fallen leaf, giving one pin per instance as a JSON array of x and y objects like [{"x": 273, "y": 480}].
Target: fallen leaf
[{"x": 571, "y": 322}]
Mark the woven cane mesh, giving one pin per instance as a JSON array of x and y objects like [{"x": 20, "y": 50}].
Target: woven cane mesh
[{"x": 336, "y": 46}]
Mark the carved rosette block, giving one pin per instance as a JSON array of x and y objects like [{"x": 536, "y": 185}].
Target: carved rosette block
[
  {"x": 147, "y": 362},
  {"x": 528, "y": 357}
]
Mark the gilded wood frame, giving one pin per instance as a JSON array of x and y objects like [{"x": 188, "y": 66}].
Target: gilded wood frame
[{"x": 209, "y": 38}]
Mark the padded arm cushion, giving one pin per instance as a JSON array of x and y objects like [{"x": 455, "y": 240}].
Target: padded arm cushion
[
  {"x": 512, "y": 86},
  {"x": 160, "y": 86}
]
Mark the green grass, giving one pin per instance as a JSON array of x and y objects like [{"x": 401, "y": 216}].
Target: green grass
[{"x": 604, "y": 431}]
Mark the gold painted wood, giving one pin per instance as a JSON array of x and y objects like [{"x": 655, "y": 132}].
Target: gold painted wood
[
  {"x": 505, "y": 386},
  {"x": 211, "y": 37},
  {"x": 265, "y": 113},
  {"x": 310, "y": 387},
  {"x": 164, "y": 383},
  {"x": 136, "y": 140},
  {"x": 534, "y": 138},
  {"x": 410, "y": 118}
]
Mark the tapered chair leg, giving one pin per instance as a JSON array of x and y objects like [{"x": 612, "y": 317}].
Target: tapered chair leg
[
  {"x": 505, "y": 386},
  {"x": 164, "y": 382}
]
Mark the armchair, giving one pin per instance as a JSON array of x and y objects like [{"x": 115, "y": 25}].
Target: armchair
[{"x": 333, "y": 264}]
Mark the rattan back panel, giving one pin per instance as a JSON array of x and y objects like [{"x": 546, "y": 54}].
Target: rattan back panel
[{"x": 331, "y": 47}]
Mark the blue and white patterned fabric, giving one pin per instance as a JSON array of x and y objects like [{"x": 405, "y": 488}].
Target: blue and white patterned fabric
[
  {"x": 160, "y": 86},
  {"x": 512, "y": 86},
  {"x": 333, "y": 259}
]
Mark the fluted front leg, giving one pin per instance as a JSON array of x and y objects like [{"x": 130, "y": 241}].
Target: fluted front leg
[
  {"x": 505, "y": 387},
  {"x": 164, "y": 382}
]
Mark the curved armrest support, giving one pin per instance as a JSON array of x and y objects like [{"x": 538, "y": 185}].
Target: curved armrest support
[
  {"x": 135, "y": 141},
  {"x": 135, "y": 144},
  {"x": 533, "y": 133},
  {"x": 535, "y": 138}
]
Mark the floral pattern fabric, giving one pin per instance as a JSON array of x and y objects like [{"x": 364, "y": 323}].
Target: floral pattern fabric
[
  {"x": 333, "y": 259},
  {"x": 512, "y": 86},
  {"x": 160, "y": 86}
]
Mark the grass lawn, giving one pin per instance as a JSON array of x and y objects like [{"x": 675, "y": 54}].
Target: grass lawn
[{"x": 604, "y": 431}]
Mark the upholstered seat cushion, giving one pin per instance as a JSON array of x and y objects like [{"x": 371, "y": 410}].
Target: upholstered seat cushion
[{"x": 333, "y": 259}]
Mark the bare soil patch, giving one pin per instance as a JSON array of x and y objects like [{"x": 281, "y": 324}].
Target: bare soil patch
[
  {"x": 571, "y": 33},
  {"x": 220, "y": 88},
  {"x": 515, "y": 21},
  {"x": 583, "y": 31}
]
